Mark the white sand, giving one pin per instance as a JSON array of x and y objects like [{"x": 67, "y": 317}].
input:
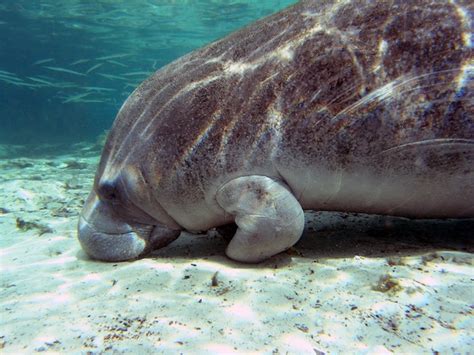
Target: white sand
[{"x": 325, "y": 295}]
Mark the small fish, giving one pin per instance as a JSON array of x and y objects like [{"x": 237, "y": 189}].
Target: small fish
[
  {"x": 63, "y": 70},
  {"x": 6, "y": 72},
  {"x": 79, "y": 61},
  {"x": 116, "y": 63},
  {"x": 42, "y": 61},
  {"x": 17, "y": 83},
  {"x": 113, "y": 56},
  {"x": 75, "y": 98},
  {"x": 45, "y": 77},
  {"x": 112, "y": 77},
  {"x": 94, "y": 67},
  {"x": 41, "y": 81},
  {"x": 137, "y": 73},
  {"x": 92, "y": 101},
  {"x": 97, "y": 88},
  {"x": 10, "y": 77}
]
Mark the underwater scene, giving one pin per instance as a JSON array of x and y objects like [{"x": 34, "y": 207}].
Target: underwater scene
[{"x": 236, "y": 177}]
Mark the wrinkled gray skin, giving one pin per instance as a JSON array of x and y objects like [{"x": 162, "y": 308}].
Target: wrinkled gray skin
[{"x": 363, "y": 106}]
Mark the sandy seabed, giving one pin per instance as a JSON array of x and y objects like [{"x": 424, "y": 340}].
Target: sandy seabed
[{"x": 353, "y": 284}]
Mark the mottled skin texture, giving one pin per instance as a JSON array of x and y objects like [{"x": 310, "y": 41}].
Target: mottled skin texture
[{"x": 363, "y": 106}]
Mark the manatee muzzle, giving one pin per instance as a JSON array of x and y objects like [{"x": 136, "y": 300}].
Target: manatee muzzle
[{"x": 113, "y": 246}]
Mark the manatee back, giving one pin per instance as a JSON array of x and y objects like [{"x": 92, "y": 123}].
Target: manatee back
[{"x": 322, "y": 84}]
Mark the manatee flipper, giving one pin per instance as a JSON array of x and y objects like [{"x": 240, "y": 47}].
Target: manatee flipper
[{"x": 269, "y": 218}]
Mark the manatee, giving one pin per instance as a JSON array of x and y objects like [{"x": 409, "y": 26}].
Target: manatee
[{"x": 362, "y": 106}]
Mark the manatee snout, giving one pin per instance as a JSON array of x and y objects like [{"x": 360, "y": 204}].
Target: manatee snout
[
  {"x": 105, "y": 236},
  {"x": 110, "y": 246}
]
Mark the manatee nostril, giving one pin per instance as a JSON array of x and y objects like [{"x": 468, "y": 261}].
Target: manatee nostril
[{"x": 107, "y": 191}]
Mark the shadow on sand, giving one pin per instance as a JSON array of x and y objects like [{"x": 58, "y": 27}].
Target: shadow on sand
[{"x": 340, "y": 235}]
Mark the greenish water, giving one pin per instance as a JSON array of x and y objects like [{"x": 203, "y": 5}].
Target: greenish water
[{"x": 67, "y": 66}]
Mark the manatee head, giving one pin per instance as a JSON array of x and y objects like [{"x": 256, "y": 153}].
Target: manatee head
[{"x": 121, "y": 218}]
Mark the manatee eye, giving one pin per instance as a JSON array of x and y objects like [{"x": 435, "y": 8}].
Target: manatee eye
[{"x": 107, "y": 191}]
